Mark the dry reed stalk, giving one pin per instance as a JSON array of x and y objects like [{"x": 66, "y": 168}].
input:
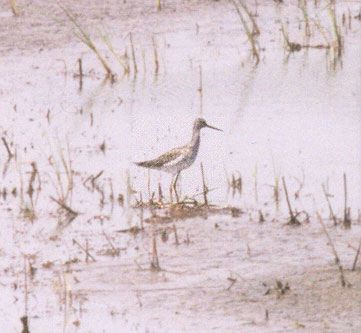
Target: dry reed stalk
[
  {"x": 248, "y": 32},
  {"x": 30, "y": 190},
  {"x": 10, "y": 154},
  {"x": 337, "y": 259},
  {"x": 338, "y": 39},
  {"x": 160, "y": 193},
  {"x": 293, "y": 218},
  {"x": 292, "y": 47},
  {"x": 85, "y": 250},
  {"x": 356, "y": 257},
  {"x": 255, "y": 29},
  {"x": 323, "y": 34},
  {"x": 21, "y": 181},
  {"x": 84, "y": 37},
  {"x": 329, "y": 205},
  {"x": 156, "y": 60},
  {"x": 26, "y": 300},
  {"x": 24, "y": 318},
  {"x": 346, "y": 218},
  {"x": 133, "y": 55},
  {"x": 303, "y": 6},
  {"x": 80, "y": 74},
  {"x": 65, "y": 190},
  {"x": 64, "y": 206},
  {"x": 122, "y": 60},
  {"x": 115, "y": 251}
]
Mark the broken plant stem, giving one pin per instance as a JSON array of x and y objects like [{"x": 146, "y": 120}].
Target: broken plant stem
[
  {"x": 85, "y": 250},
  {"x": 24, "y": 319},
  {"x": 288, "y": 201},
  {"x": 114, "y": 249},
  {"x": 336, "y": 29},
  {"x": 356, "y": 257},
  {"x": 293, "y": 216},
  {"x": 94, "y": 178},
  {"x": 26, "y": 301},
  {"x": 156, "y": 61},
  {"x": 10, "y": 154},
  {"x": 160, "y": 193},
  {"x": 63, "y": 205},
  {"x": 133, "y": 55},
  {"x": 292, "y": 47},
  {"x": 80, "y": 74},
  {"x": 337, "y": 259},
  {"x": 329, "y": 205},
  {"x": 30, "y": 190}
]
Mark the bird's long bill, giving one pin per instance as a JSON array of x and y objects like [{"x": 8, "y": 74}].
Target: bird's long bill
[{"x": 215, "y": 128}]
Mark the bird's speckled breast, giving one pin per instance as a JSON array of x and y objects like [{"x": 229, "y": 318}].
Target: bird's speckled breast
[{"x": 193, "y": 151}]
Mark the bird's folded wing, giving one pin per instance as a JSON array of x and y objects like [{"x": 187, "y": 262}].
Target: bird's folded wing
[{"x": 162, "y": 160}]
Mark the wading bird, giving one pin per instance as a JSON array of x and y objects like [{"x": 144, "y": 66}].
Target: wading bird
[{"x": 178, "y": 159}]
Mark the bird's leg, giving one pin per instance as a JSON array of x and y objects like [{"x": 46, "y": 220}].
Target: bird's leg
[
  {"x": 175, "y": 187},
  {"x": 170, "y": 190}
]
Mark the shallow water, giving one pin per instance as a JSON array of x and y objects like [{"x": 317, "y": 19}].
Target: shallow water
[
  {"x": 280, "y": 118},
  {"x": 291, "y": 115}
]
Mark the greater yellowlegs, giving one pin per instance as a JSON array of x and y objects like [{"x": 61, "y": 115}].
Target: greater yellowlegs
[{"x": 178, "y": 159}]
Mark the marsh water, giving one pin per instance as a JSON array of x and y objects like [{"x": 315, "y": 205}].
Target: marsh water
[{"x": 294, "y": 115}]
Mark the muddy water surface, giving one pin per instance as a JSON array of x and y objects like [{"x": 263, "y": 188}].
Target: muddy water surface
[{"x": 294, "y": 115}]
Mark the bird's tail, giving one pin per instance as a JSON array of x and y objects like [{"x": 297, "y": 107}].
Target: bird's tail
[{"x": 142, "y": 164}]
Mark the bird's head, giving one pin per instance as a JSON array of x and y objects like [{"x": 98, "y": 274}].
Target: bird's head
[{"x": 200, "y": 123}]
